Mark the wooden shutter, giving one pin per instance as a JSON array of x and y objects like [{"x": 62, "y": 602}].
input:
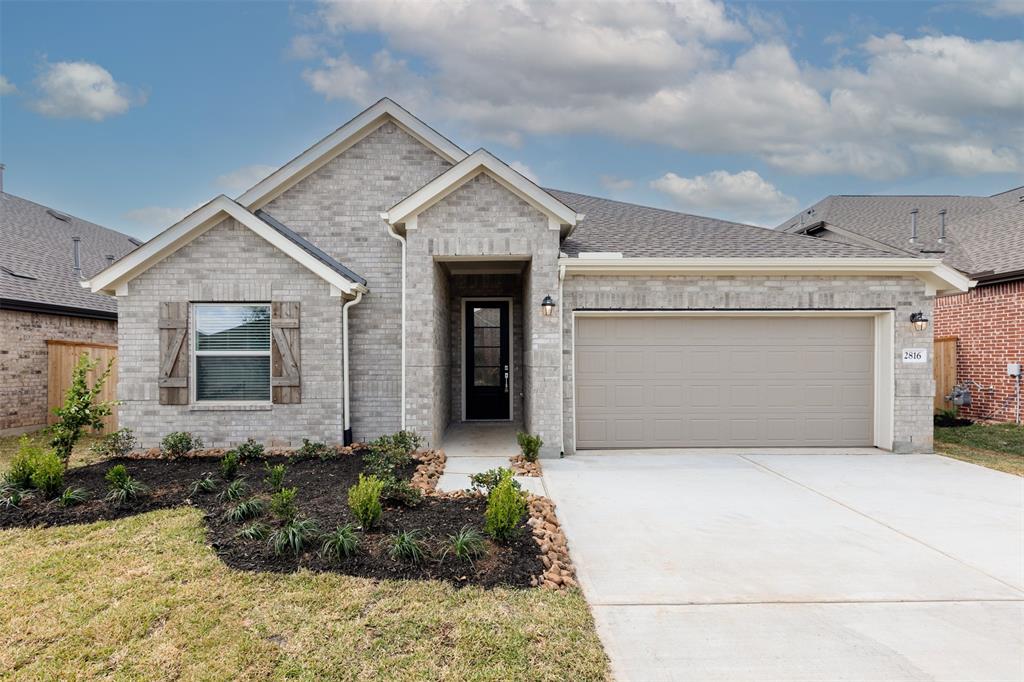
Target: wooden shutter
[
  {"x": 174, "y": 360},
  {"x": 285, "y": 364}
]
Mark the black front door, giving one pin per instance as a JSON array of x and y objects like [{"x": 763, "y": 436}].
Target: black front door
[{"x": 487, "y": 360}]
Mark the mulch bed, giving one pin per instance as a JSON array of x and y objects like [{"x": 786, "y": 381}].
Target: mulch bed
[{"x": 322, "y": 495}]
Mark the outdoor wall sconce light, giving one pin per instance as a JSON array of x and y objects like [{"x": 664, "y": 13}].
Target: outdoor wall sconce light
[
  {"x": 919, "y": 321},
  {"x": 547, "y": 306}
]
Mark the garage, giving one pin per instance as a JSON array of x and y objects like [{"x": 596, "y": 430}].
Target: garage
[{"x": 724, "y": 380}]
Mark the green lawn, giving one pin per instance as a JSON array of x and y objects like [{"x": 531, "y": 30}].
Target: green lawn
[
  {"x": 996, "y": 446},
  {"x": 145, "y": 598}
]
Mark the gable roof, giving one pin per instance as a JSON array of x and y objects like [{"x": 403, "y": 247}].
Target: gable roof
[
  {"x": 342, "y": 280},
  {"x": 994, "y": 240},
  {"x": 341, "y": 139},
  {"x": 644, "y": 232},
  {"x": 37, "y": 263},
  {"x": 482, "y": 161}
]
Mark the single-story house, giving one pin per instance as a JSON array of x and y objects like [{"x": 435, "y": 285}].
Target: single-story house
[
  {"x": 983, "y": 237},
  {"x": 44, "y": 256},
  {"x": 385, "y": 278}
]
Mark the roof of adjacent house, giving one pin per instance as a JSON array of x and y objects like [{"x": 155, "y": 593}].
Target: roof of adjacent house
[
  {"x": 886, "y": 220},
  {"x": 644, "y": 232},
  {"x": 37, "y": 259}
]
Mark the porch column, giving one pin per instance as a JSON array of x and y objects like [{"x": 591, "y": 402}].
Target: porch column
[{"x": 543, "y": 397}]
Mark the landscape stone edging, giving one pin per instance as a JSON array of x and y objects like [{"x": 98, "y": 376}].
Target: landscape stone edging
[{"x": 521, "y": 467}]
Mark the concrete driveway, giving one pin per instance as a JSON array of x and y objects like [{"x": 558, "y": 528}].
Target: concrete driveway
[{"x": 798, "y": 566}]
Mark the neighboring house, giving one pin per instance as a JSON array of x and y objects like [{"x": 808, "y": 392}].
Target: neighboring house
[
  {"x": 44, "y": 256},
  {"x": 481, "y": 296},
  {"x": 980, "y": 236}
]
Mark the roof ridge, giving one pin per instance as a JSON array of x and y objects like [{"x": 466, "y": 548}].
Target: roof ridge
[{"x": 656, "y": 208}]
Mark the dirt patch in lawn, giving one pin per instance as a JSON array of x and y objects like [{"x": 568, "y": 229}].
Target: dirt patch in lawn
[{"x": 322, "y": 493}]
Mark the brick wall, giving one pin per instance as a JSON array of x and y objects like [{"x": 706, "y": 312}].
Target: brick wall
[
  {"x": 23, "y": 360},
  {"x": 989, "y": 324}
]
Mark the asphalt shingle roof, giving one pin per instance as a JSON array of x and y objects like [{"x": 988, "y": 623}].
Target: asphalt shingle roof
[
  {"x": 644, "y": 232},
  {"x": 36, "y": 244}
]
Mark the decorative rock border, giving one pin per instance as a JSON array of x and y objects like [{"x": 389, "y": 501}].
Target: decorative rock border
[
  {"x": 520, "y": 467},
  {"x": 429, "y": 471},
  {"x": 547, "y": 532}
]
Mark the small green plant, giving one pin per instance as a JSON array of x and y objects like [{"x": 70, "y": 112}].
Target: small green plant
[
  {"x": 122, "y": 488},
  {"x": 282, "y": 504},
  {"x": 229, "y": 465},
  {"x": 19, "y": 475},
  {"x": 529, "y": 445},
  {"x": 275, "y": 476},
  {"x": 203, "y": 484},
  {"x": 48, "y": 474},
  {"x": 293, "y": 536},
  {"x": 254, "y": 531},
  {"x": 468, "y": 544},
  {"x": 340, "y": 544},
  {"x": 364, "y": 500},
  {"x": 72, "y": 496},
  {"x": 409, "y": 441},
  {"x": 486, "y": 481},
  {"x": 506, "y": 506},
  {"x": 233, "y": 491},
  {"x": 407, "y": 546},
  {"x": 314, "y": 450},
  {"x": 179, "y": 444},
  {"x": 120, "y": 443},
  {"x": 250, "y": 450},
  {"x": 80, "y": 410},
  {"x": 245, "y": 510},
  {"x": 11, "y": 497},
  {"x": 401, "y": 492}
]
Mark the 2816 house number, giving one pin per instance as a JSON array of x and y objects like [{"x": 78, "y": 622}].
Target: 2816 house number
[{"x": 915, "y": 355}]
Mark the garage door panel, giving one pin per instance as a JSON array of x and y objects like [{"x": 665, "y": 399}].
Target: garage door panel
[{"x": 720, "y": 381}]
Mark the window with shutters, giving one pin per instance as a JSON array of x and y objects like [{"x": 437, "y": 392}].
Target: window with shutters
[{"x": 232, "y": 352}]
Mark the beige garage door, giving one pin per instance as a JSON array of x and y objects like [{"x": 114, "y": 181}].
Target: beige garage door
[{"x": 657, "y": 382}]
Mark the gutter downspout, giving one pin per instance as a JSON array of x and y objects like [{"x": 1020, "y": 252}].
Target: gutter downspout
[
  {"x": 347, "y": 423},
  {"x": 400, "y": 238},
  {"x": 561, "y": 359}
]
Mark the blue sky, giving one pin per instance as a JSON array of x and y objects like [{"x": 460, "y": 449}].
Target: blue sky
[{"x": 131, "y": 113}]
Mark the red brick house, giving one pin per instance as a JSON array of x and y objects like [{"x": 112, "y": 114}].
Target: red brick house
[{"x": 980, "y": 236}]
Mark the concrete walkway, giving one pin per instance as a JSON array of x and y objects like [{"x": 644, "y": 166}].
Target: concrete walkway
[
  {"x": 474, "y": 447},
  {"x": 798, "y": 567}
]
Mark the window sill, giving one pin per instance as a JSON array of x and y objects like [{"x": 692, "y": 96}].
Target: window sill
[{"x": 230, "y": 407}]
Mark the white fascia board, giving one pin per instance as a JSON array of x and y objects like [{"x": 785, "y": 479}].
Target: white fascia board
[
  {"x": 481, "y": 161},
  {"x": 937, "y": 275},
  {"x": 340, "y": 140},
  {"x": 195, "y": 224}
]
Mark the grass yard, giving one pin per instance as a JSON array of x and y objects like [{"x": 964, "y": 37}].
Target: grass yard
[
  {"x": 145, "y": 597},
  {"x": 79, "y": 456},
  {"x": 996, "y": 446}
]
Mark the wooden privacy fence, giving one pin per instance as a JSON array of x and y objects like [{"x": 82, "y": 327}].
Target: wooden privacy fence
[
  {"x": 944, "y": 366},
  {"x": 62, "y": 357}
]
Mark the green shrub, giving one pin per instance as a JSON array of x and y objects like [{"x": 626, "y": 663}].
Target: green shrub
[
  {"x": 406, "y": 546},
  {"x": 48, "y": 474},
  {"x": 254, "y": 531},
  {"x": 314, "y": 450},
  {"x": 506, "y": 506},
  {"x": 293, "y": 536},
  {"x": 80, "y": 409},
  {"x": 72, "y": 496},
  {"x": 245, "y": 510},
  {"x": 203, "y": 484},
  {"x": 120, "y": 443},
  {"x": 11, "y": 498},
  {"x": 179, "y": 444},
  {"x": 234, "y": 491},
  {"x": 282, "y": 504},
  {"x": 122, "y": 487},
  {"x": 364, "y": 500},
  {"x": 275, "y": 476},
  {"x": 402, "y": 492},
  {"x": 340, "y": 544},
  {"x": 250, "y": 450},
  {"x": 19, "y": 475},
  {"x": 229, "y": 465},
  {"x": 486, "y": 481},
  {"x": 529, "y": 445},
  {"x": 468, "y": 544}
]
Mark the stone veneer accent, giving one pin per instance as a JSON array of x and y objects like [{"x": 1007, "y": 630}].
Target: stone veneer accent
[
  {"x": 915, "y": 385},
  {"x": 23, "y": 360}
]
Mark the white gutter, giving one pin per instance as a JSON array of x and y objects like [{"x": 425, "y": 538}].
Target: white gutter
[
  {"x": 400, "y": 238},
  {"x": 347, "y": 421}
]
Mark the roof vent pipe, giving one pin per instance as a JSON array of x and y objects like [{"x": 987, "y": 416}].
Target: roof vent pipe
[
  {"x": 942, "y": 226},
  {"x": 76, "y": 252},
  {"x": 2, "y": 169},
  {"x": 913, "y": 226}
]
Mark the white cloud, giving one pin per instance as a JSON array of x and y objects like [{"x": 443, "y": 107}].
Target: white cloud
[
  {"x": 305, "y": 46},
  {"x": 743, "y": 196},
  {"x": 615, "y": 184},
  {"x": 525, "y": 171},
  {"x": 1001, "y": 8},
  {"x": 154, "y": 219},
  {"x": 656, "y": 72},
  {"x": 243, "y": 178},
  {"x": 6, "y": 86},
  {"x": 81, "y": 90}
]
